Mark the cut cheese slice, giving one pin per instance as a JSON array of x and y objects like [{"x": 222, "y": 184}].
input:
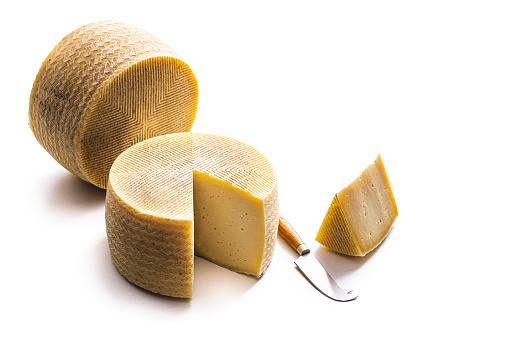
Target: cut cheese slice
[
  {"x": 361, "y": 215},
  {"x": 103, "y": 88},
  {"x": 181, "y": 194}
]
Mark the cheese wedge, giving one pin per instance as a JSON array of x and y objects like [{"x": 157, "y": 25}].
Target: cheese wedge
[
  {"x": 360, "y": 215},
  {"x": 105, "y": 87},
  {"x": 174, "y": 196}
]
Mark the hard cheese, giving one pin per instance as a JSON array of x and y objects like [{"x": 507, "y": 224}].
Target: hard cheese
[
  {"x": 361, "y": 215},
  {"x": 105, "y": 87},
  {"x": 177, "y": 195}
]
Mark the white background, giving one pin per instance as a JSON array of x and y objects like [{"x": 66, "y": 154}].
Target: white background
[{"x": 321, "y": 88}]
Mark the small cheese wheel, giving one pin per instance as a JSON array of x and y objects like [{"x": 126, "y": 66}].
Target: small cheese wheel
[
  {"x": 103, "y": 88},
  {"x": 175, "y": 196},
  {"x": 360, "y": 215}
]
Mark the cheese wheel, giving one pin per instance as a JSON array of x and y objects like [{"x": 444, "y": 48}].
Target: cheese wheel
[
  {"x": 103, "y": 88},
  {"x": 360, "y": 215},
  {"x": 177, "y": 195}
]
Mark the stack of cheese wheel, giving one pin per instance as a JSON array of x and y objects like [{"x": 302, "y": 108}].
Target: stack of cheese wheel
[
  {"x": 177, "y": 195},
  {"x": 114, "y": 106},
  {"x": 105, "y": 87}
]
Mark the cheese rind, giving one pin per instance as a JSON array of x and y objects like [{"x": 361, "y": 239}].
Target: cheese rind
[
  {"x": 361, "y": 215},
  {"x": 152, "y": 252},
  {"x": 103, "y": 88},
  {"x": 204, "y": 194}
]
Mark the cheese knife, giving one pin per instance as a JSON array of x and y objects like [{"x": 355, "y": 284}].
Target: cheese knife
[{"x": 310, "y": 267}]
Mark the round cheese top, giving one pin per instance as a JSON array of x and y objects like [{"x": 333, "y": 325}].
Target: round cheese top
[{"x": 155, "y": 177}]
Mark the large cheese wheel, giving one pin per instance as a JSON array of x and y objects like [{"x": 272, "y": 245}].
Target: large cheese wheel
[
  {"x": 105, "y": 87},
  {"x": 177, "y": 195}
]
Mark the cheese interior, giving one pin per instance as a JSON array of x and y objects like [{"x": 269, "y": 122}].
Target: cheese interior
[
  {"x": 228, "y": 225},
  {"x": 223, "y": 188},
  {"x": 361, "y": 215}
]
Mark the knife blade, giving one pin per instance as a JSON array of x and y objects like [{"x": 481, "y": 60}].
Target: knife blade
[{"x": 310, "y": 267}]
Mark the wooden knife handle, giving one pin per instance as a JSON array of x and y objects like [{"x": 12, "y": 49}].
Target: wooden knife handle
[{"x": 288, "y": 233}]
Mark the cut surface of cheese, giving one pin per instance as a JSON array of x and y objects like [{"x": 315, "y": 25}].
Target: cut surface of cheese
[
  {"x": 227, "y": 224},
  {"x": 360, "y": 215},
  {"x": 105, "y": 87},
  {"x": 175, "y": 196}
]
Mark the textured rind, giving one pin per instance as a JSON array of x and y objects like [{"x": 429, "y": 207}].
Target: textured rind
[
  {"x": 335, "y": 232},
  {"x": 154, "y": 179},
  {"x": 153, "y": 253},
  {"x": 84, "y": 104},
  {"x": 271, "y": 214}
]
